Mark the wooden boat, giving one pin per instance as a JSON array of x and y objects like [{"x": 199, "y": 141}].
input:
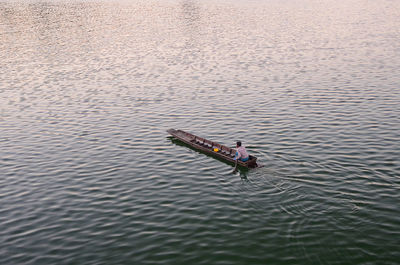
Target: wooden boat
[{"x": 211, "y": 148}]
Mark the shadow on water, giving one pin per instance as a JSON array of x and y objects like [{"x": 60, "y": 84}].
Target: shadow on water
[{"x": 242, "y": 171}]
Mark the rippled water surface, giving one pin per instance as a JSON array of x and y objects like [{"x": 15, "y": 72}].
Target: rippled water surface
[{"x": 88, "y": 174}]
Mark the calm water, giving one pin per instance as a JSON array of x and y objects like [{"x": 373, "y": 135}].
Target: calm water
[{"x": 88, "y": 174}]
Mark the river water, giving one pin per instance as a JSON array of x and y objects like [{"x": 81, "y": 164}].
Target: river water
[{"x": 88, "y": 174}]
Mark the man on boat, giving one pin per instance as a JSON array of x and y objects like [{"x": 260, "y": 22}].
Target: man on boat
[{"x": 241, "y": 153}]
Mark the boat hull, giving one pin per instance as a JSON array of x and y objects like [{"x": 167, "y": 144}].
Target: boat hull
[{"x": 215, "y": 149}]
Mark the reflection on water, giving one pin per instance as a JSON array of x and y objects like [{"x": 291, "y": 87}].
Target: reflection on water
[
  {"x": 191, "y": 15},
  {"x": 88, "y": 90}
]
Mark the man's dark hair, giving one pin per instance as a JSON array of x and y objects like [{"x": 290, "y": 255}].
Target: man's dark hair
[{"x": 239, "y": 143}]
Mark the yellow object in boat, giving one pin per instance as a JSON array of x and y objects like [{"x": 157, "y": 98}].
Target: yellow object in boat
[{"x": 216, "y": 149}]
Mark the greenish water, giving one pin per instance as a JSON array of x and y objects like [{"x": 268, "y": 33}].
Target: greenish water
[{"x": 88, "y": 174}]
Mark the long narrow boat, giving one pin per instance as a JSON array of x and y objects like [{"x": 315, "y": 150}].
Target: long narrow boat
[{"x": 212, "y": 148}]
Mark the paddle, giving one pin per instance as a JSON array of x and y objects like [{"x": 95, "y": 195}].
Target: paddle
[{"x": 236, "y": 164}]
